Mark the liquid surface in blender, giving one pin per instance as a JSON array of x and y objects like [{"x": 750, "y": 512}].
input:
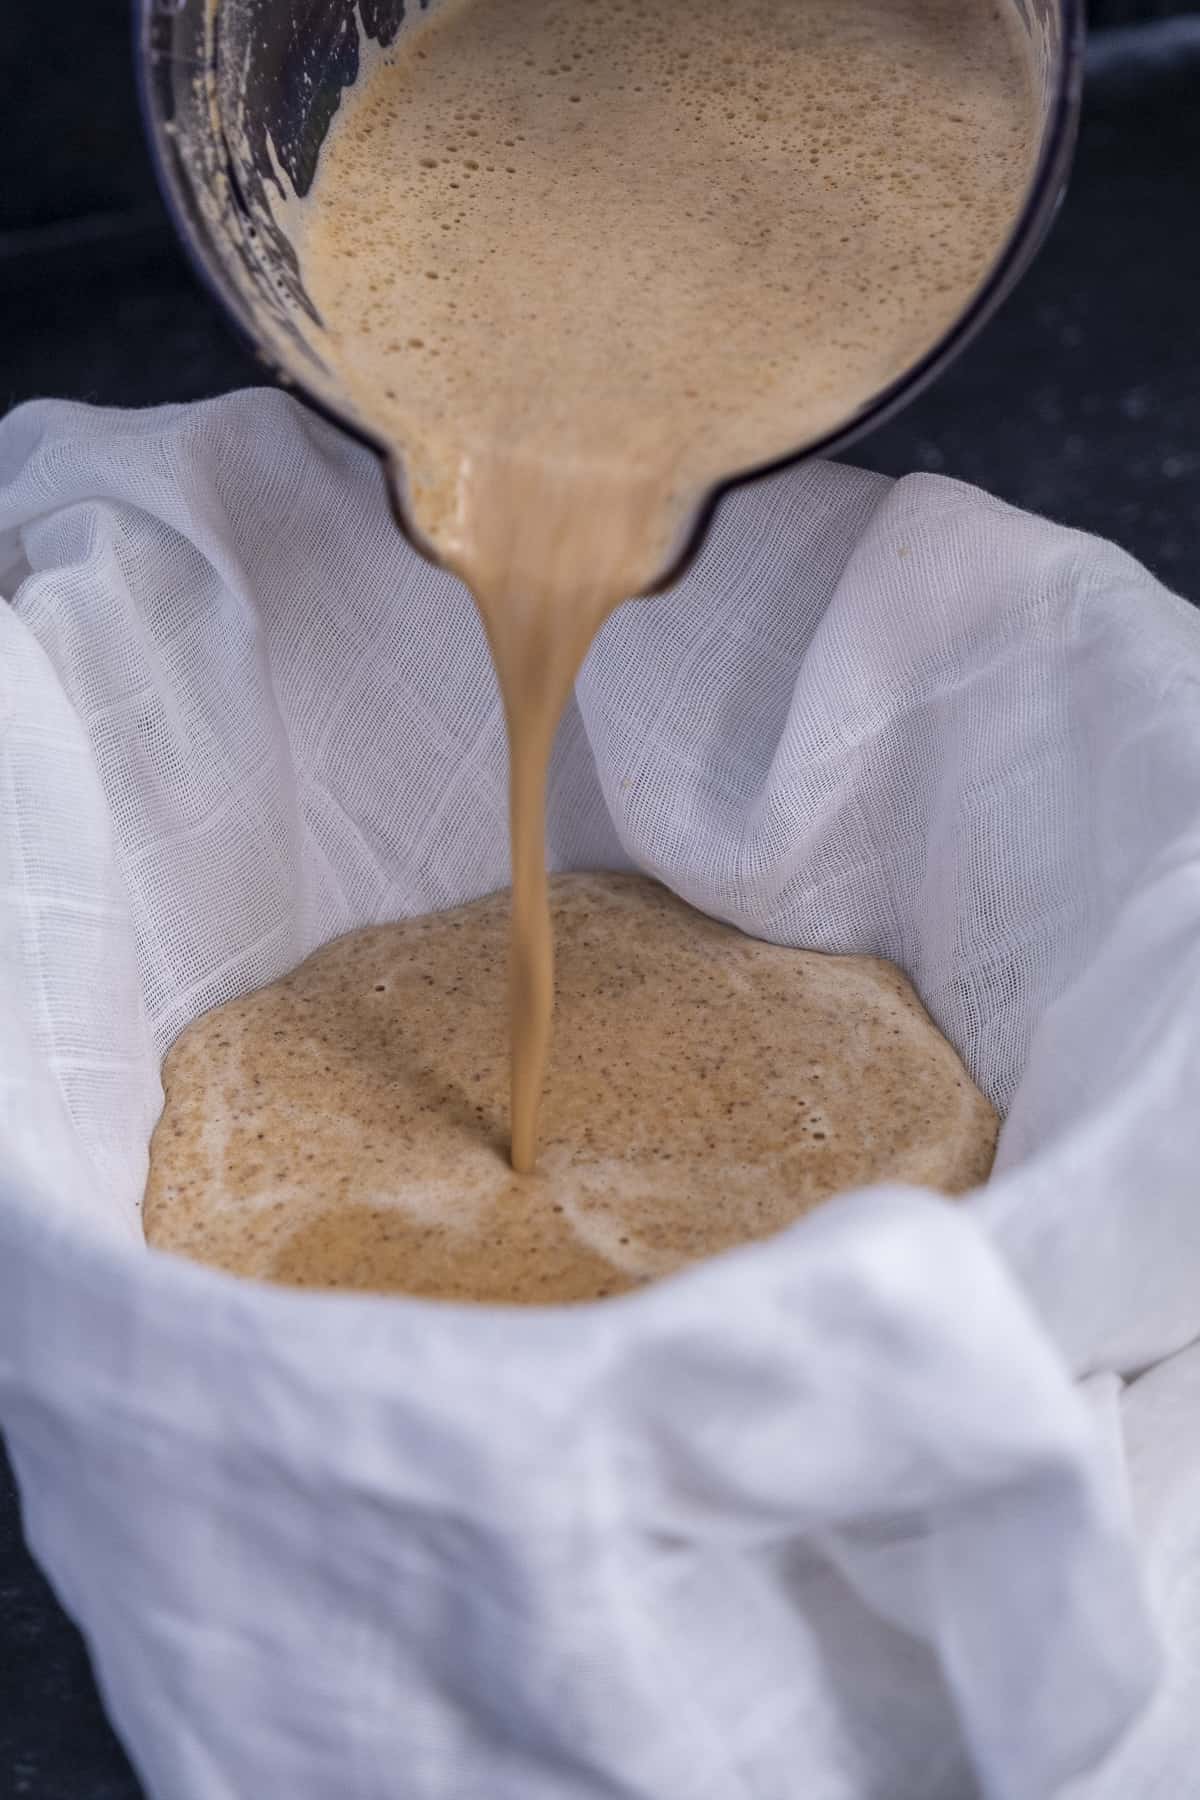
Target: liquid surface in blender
[{"x": 579, "y": 259}]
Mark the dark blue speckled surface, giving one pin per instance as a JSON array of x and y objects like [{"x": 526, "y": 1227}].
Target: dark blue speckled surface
[{"x": 1081, "y": 400}]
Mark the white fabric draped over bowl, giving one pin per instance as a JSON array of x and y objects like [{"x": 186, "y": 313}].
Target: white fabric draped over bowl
[{"x": 845, "y": 1513}]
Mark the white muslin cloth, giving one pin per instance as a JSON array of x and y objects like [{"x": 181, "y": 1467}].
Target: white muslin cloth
[{"x": 901, "y": 1505}]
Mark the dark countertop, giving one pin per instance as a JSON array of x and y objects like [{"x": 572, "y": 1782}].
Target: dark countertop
[{"x": 1081, "y": 400}]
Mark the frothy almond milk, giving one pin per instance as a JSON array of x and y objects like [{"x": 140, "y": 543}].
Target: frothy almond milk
[
  {"x": 577, "y": 260},
  {"x": 344, "y": 1127}
]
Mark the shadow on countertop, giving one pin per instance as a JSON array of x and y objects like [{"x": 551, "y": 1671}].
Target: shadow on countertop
[{"x": 1081, "y": 400}]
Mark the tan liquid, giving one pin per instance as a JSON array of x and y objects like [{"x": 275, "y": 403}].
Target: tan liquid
[
  {"x": 577, "y": 260},
  {"x": 345, "y": 1127}
]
